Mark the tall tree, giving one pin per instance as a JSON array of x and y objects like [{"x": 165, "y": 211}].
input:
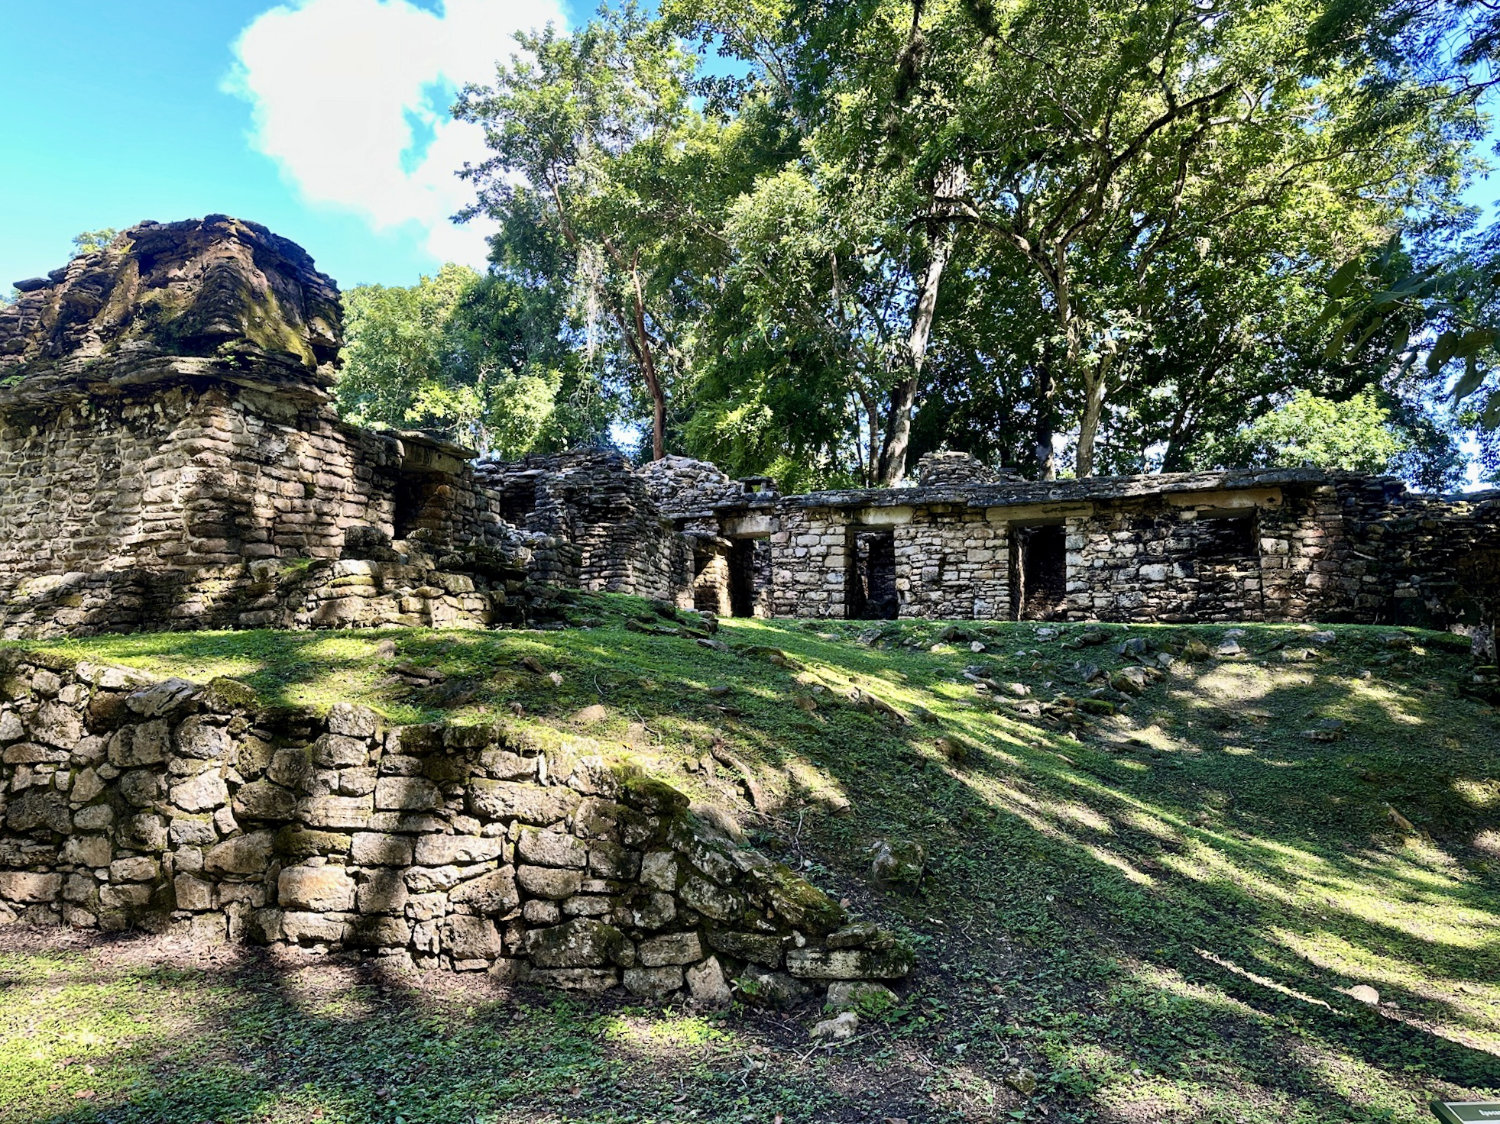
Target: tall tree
[{"x": 596, "y": 145}]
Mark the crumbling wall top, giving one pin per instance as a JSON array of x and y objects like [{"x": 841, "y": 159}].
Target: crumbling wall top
[{"x": 204, "y": 297}]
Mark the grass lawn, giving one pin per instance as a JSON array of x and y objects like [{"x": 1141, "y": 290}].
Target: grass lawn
[{"x": 1158, "y": 914}]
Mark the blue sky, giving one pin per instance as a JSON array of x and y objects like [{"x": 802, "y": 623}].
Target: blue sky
[{"x": 324, "y": 119}]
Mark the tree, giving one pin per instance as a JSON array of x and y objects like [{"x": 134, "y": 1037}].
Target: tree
[
  {"x": 1115, "y": 166},
  {"x": 1312, "y": 432},
  {"x": 597, "y": 148},
  {"x": 467, "y": 356},
  {"x": 91, "y": 241}
]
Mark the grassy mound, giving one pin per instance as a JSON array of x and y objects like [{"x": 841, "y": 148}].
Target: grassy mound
[{"x": 1169, "y": 869}]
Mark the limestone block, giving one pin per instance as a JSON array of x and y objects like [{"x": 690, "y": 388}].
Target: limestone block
[
  {"x": 492, "y": 893},
  {"x": 203, "y": 738},
  {"x": 384, "y": 891},
  {"x": 264, "y": 800},
  {"x": 849, "y": 963},
  {"x": 372, "y": 849},
  {"x": 670, "y": 948},
  {"x": 353, "y": 721},
  {"x": 589, "y": 981},
  {"x": 316, "y": 928},
  {"x": 20, "y": 886},
  {"x": 344, "y": 813},
  {"x": 528, "y": 803},
  {"x": 193, "y": 893},
  {"x": 380, "y": 932},
  {"x": 758, "y": 948},
  {"x": 201, "y": 793},
  {"x": 407, "y": 794},
  {"x": 580, "y": 943},
  {"x": 471, "y": 938},
  {"x": 244, "y": 854},
  {"x": 653, "y": 983},
  {"x": 445, "y": 850},
  {"x": 92, "y": 851},
  {"x": 707, "y": 984},
  {"x": 335, "y": 751},
  {"x": 320, "y": 888},
  {"x": 135, "y": 869},
  {"x": 550, "y": 848},
  {"x": 548, "y": 882}
]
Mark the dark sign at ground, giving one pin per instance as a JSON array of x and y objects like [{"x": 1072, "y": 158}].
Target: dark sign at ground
[{"x": 1466, "y": 1112}]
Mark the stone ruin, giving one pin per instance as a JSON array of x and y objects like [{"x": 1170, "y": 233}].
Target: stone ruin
[
  {"x": 170, "y": 458},
  {"x": 190, "y": 810}
]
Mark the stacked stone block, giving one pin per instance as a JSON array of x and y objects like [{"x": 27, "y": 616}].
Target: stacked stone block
[
  {"x": 952, "y": 563},
  {"x": 173, "y": 807}
]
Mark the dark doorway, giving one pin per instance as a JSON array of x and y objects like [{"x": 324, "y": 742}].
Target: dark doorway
[
  {"x": 872, "y": 576},
  {"x": 1038, "y": 573},
  {"x": 743, "y": 566},
  {"x": 1226, "y": 564},
  {"x": 422, "y": 501},
  {"x": 518, "y": 500}
]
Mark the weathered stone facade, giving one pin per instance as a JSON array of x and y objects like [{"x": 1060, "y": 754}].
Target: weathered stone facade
[
  {"x": 168, "y": 806},
  {"x": 169, "y": 458}
]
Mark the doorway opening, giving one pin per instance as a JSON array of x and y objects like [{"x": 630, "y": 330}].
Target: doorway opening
[
  {"x": 871, "y": 594},
  {"x": 1226, "y": 564},
  {"x": 749, "y": 572},
  {"x": 421, "y": 501},
  {"x": 1038, "y": 572}
]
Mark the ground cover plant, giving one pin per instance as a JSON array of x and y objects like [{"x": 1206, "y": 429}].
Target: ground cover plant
[{"x": 1194, "y": 873}]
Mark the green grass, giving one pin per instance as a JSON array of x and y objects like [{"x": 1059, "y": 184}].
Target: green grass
[{"x": 1159, "y": 913}]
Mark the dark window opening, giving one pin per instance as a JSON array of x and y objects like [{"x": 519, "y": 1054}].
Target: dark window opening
[
  {"x": 872, "y": 576},
  {"x": 742, "y": 567},
  {"x": 419, "y": 501},
  {"x": 518, "y": 500},
  {"x": 1227, "y": 539},
  {"x": 1038, "y": 573}
]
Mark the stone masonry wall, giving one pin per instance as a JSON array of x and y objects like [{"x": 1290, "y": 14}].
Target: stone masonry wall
[
  {"x": 172, "y": 807},
  {"x": 189, "y": 476},
  {"x": 1152, "y": 561},
  {"x": 952, "y": 563},
  {"x": 617, "y": 540},
  {"x": 809, "y": 563}
]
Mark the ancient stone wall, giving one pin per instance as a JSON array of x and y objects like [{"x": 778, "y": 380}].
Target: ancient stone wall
[
  {"x": 952, "y": 563},
  {"x": 1157, "y": 561},
  {"x": 617, "y": 538},
  {"x": 810, "y": 563},
  {"x": 173, "y": 807}
]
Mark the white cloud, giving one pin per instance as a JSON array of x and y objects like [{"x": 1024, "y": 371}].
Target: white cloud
[{"x": 350, "y": 98}]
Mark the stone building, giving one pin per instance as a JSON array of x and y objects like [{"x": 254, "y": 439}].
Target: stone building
[{"x": 169, "y": 458}]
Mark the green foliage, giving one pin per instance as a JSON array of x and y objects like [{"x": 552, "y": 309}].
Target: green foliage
[
  {"x": 468, "y": 356},
  {"x": 1312, "y": 432},
  {"x": 90, "y": 241}
]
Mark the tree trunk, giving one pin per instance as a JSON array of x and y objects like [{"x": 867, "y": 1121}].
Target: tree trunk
[
  {"x": 914, "y": 357},
  {"x": 649, "y": 372},
  {"x": 1045, "y": 425},
  {"x": 1095, "y": 387}
]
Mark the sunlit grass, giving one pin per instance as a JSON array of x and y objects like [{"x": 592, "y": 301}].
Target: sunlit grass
[{"x": 1174, "y": 902}]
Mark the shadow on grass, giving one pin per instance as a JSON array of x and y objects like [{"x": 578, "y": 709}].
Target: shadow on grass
[{"x": 1161, "y": 915}]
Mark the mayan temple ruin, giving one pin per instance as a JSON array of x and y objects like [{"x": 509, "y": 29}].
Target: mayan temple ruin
[{"x": 171, "y": 459}]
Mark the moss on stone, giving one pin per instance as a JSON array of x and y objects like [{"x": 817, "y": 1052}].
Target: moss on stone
[
  {"x": 647, "y": 793},
  {"x": 224, "y": 693},
  {"x": 800, "y": 903}
]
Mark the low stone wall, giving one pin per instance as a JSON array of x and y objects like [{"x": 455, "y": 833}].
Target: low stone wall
[{"x": 170, "y": 806}]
